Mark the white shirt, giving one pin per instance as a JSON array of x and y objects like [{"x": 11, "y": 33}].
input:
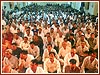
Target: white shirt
[
  {"x": 24, "y": 46},
  {"x": 46, "y": 54},
  {"x": 13, "y": 61},
  {"x": 81, "y": 50},
  {"x": 12, "y": 30},
  {"x": 3, "y": 22},
  {"x": 63, "y": 52},
  {"x": 27, "y": 62},
  {"x": 87, "y": 35},
  {"x": 41, "y": 34},
  {"x": 51, "y": 67},
  {"x": 87, "y": 64},
  {"x": 18, "y": 41},
  {"x": 38, "y": 70},
  {"x": 58, "y": 41},
  {"x": 67, "y": 59},
  {"x": 45, "y": 31},
  {"x": 79, "y": 43},
  {"x": 35, "y": 51},
  {"x": 29, "y": 37}
]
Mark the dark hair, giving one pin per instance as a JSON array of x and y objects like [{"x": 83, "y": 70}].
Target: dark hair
[
  {"x": 14, "y": 44},
  {"x": 26, "y": 37},
  {"x": 32, "y": 42},
  {"x": 71, "y": 34},
  {"x": 34, "y": 61},
  {"x": 24, "y": 52},
  {"x": 52, "y": 53},
  {"x": 73, "y": 47},
  {"x": 49, "y": 44},
  {"x": 73, "y": 61}
]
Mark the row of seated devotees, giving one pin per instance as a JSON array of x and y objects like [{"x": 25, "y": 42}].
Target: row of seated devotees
[
  {"x": 20, "y": 61},
  {"x": 47, "y": 46}
]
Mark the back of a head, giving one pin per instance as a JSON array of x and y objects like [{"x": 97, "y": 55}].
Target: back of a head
[{"x": 72, "y": 61}]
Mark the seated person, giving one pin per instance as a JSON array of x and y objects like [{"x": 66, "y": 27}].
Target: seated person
[
  {"x": 90, "y": 64},
  {"x": 72, "y": 68},
  {"x": 34, "y": 68},
  {"x": 8, "y": 69},
  {"x": 47, "y": 51},
  {"x": 52, "y": 65},
  {"x": 24, "y": 61}
]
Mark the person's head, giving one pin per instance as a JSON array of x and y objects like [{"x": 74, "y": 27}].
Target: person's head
[
  {"x": 25, "y": 39},
  {"x": 92, "y": 35},
  {"x": 93, "y": 55},
  {"x": 49, "y": 47},
  {"x": 64, "y": 44},
  {"x": 36, "y": 33},
  {"x": 71, "y": 36},
  {"x": 60, "y": 34},
  {"x": 82, "y": 37},
  {"x": 65, "y": 39},
  {"x": 74, "y": 25},
  {"x": 72, "y": 63},
  {"x": 16, "y": 36},
  {"x": 49, "y": 39},
  {"x": 40, "y": 30},
  {"x": 8, "y": 53},
  {"x": 23, "y": 54},
  {"x": 35, "y": 38},
  {"x": 83, "y": 44},
  {"x": 48, "y": 34},
  {"x": 52, "y": 30},
  {"x": 28, "y": 28},
  {"x": 34, "y": 64},
  {"x": 35, "y": 27},
  {"x": 52, "y": 56},
  {"x": 23, "y": 23},
  {"x": 32, "y": 44},
  {"x": 88, "y": 31},
  {"x": 70, "y": 30},
  {"x": 80, "y": 32},
  {"x": 27, "y": 32},
  {"x": 18, "y": 30},
  {"x": 14, "y": 46},
  {"x": 73, "y": 51}
]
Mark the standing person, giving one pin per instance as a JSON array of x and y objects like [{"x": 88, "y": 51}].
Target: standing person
[
  {"x": 52, "y": 65},
  {"x": 72, "y": 68}
]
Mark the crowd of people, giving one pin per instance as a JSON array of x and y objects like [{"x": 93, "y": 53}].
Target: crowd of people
[{"x": 62, "y": 40}]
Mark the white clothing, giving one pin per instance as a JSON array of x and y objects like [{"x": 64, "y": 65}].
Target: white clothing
[
  {"x": 38, "y": 70},
  {"x": 51, "y": 67}
]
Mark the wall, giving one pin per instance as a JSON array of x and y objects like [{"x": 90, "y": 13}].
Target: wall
[
  {"x": 93, "y": 8},
  {"x": 76, "y": 5}
]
